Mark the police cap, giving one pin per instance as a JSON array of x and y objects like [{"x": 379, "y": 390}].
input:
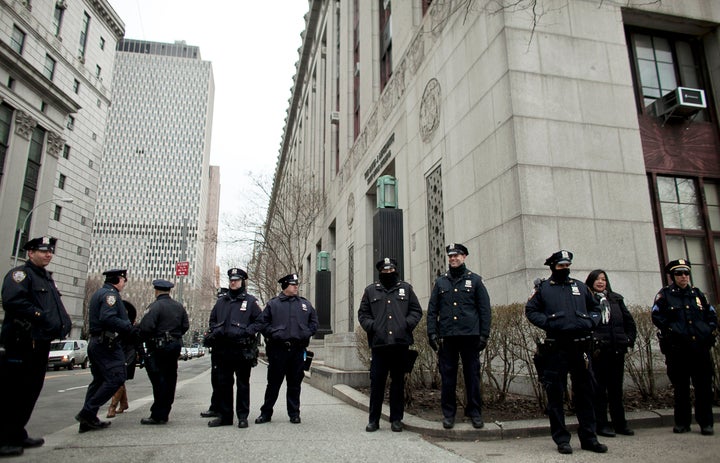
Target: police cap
[
  {"x": 44, "y": 243},
  {"x": 456, "y": 248},
  {"x": 115, "y": 273},
  {"x": 237, "y": 274},
  {"x": 386, "y": 263},
  {"x": 162, "y": 285},
  {"x": 679, "y": 264},
  {"x": 560, "y": 257},
  {"x": 287, "y": 280}
]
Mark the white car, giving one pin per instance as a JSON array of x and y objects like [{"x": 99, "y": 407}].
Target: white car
[
  {"x": 67, "y": 354},
  {"x": 193, "y": 352}
]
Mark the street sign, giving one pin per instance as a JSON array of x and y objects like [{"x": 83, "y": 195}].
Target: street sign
[{"x": 182, "y": 268}]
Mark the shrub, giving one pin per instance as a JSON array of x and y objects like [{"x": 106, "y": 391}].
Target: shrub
[{"x": 641, "y": 361}]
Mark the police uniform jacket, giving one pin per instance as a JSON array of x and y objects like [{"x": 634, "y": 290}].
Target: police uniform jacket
[
  {"x": 231, "y": 318},
  {"x": 564, "y": 310},
  {"x": 107, "y": 312},
  {"x": 459, "y": 307},
  {"x": 389, "y": 316},
  {"x": 29, "y": 295},
  {"x": 685, "y": 317},
  {"x": 165, "y": 315},
  {"x": 620, "y": 332},
  {"x": 288, "y": 318}
]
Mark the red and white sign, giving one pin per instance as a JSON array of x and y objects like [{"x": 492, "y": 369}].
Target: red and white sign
[{"x": 182, "y": 268}]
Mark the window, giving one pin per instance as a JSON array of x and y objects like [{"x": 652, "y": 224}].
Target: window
[
  {"x": 98, "y": 71},
  {"x": 90, "y": 164},
  {"x": 102, "y": 43},
  {"x": 49, "y": 70},
  {"x": 43, "y": 107},
  {"x": 66, "y": 152},
  {"x": 76, "y": 86},
  {"x": 57, "y": 213},
  {"x": 385, "y": 42},
  {"x": 61, "y": 182},
  {"x": 5, "y": 121},
  {"x": 71, "y": 123},
  {"x": 83, "y": 35},
  {"x": 58, "y": 18},
  {"x": 29, "y": 191},
  {"x": 11, "y": 83},
  {"x": 17, "y": 40}
]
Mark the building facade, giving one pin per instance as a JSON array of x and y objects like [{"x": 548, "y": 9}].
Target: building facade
[
  {"x": 152, "y": 207},
  {"x": 516, "y": 131},
  {"x": 56, "y": 62}
]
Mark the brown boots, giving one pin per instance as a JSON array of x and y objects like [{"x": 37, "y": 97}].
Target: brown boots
[{"x": 118, "y": 403}]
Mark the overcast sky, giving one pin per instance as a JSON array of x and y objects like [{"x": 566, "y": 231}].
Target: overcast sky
[{"x": 253, "y": 46}]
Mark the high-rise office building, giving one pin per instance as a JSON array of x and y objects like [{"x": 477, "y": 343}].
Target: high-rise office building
[
  {"x": 153, "y": 199},
  {"x": 56, "y": 62}
]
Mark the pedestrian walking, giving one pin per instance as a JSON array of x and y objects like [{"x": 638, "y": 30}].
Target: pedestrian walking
[
  {"x": 287, "y": 323},
  {"x": 458, "y": 328},
  {"x": 688, "y": 327},
  {"x": 108, "y": 321},
  {"x": 566, "y": 310},
  {"x": 389, "y": 312},
  {"x": 162, "y": 327},
  {"x": 612, "y": 338},
  {"x": 34, "y": 316},
  {"x": 235, "y": 350}
]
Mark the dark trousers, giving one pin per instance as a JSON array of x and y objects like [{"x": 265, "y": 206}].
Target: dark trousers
[
  {"x": 230, "y": 364},
  {"x": 558, "y": 364},
  {"x": 22, "y": 374},
  {"x": 465, "y": 349},
  {"x": 161, "y": 366},
  {"x": 107, "y": 365},
  {"x": 608, "y": 367},
  {"x": 214, "y": 406},
  {"x": 284, "y": 363},
  {"x": 683, "y": 366},
  {"x": 388, "y": 360}
]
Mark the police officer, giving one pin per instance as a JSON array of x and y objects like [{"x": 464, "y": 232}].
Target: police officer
[
  {"x": 108, "y": 321},
  {"x": 34, "y": 316},
  {"x": 458, "y": 326},
  {"x": 235, "y": 348},
  {"x": 568, "y": 313},
  {"x": 389, "y": 312},
  {"x": 162, "y": 327},
  {"x": 688, "y": 326},
  {"x": 287, "y": 323}
]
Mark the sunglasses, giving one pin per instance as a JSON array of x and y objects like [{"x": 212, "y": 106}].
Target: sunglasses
[{"x": 681, "y": 273}]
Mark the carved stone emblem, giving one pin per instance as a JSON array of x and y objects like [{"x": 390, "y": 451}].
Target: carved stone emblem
[
  {"x": 430, "y": 110},
  {"x": 350, "y": 210},
  {"x": 55, "y": 144},
  {"x": 24, "y": 124}
]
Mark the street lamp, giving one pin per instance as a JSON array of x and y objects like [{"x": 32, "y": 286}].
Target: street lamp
[{"x": 27, "y": 217}]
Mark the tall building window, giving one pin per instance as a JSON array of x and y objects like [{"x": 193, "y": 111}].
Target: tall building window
[
  {"x": 49, "y": 69},
  {"x": 17, "y": 40},
  {"x": 58, "y": 18},
  {"x": 98, "y": 71},
  {"x": 61, "y": 181},
  {"x": 71, "y": 123},
  {"x": 102, "y": 43},
  {"x": 76, "y": 86},
  {"x": 66, "y": 152},
  {"x": 83, "y": 34},
  {"x": 57, "y": 213},
  {"x": 385, "y": 7},
  {"x": 32, "y": 175},
  {"x": 5, "y": 121}
]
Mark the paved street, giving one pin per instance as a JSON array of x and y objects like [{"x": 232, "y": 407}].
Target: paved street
[{"x": 331, "y": 431}]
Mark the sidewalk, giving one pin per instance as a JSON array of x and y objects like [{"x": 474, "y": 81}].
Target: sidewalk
[{"x": 332, "y": 430}]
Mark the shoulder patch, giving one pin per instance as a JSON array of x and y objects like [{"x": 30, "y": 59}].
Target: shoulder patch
[
  {"x": 658, "y": 296},
  {"x": 18, "y": 276},
  {"x": 110, "y": 300}
]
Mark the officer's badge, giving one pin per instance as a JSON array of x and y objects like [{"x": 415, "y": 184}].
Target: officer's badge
[
  {"x": 304, "y": 307},
  {"x": 402, "y": 292},
  {"x": 18, "y": 276},
  {"x": 243, "y": 307},
  {"x": 468, "y": 284},
  {"x": 699, "y": 303},
  {"x": 110, "y": 300},
  {"x": 575, "y": 290}
]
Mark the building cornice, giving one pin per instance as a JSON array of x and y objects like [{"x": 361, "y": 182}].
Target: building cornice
[{"x": 111, "y": 18}]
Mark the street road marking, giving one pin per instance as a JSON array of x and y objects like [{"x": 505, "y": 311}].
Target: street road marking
[{"x": 72, "y": 388}]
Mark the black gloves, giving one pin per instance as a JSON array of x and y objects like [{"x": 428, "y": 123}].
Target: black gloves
[
  {"x": 433, "y": 341},
  {"x": 482, "y": 343}
]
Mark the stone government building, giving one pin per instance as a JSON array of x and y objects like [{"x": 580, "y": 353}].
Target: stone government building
[{"x": 590, "y": 127}]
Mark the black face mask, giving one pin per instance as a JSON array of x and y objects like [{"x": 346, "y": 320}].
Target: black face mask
[
  {"x": 559, "y": 275},
  {"x": 389, "y": 280}
]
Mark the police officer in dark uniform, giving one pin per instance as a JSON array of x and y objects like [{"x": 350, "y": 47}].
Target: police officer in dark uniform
[
  {"x": 389, "y": 312},
  {"x": 287, "y": 323},
  {"x": 568, "y": 313},
  {"x": 34, "y": 316},
  {"x": 108, "y": 322},
  {"x": 688, "y": 326},
  {"x": 458, "y": 326},
  {"x": 162, "y": 327},
  {"x": 235, "y": 348}
]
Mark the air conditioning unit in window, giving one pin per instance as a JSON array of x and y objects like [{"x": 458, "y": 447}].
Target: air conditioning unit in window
[
  {"x": 681, "y": 102},
  {"x": 335, "y": 117}
]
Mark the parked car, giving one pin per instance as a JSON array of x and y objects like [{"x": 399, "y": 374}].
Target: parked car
[
  {"x": 193, "y": 352},
  {"x": 184, "y": 355},
  {"x": 67, "y": 354}
]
